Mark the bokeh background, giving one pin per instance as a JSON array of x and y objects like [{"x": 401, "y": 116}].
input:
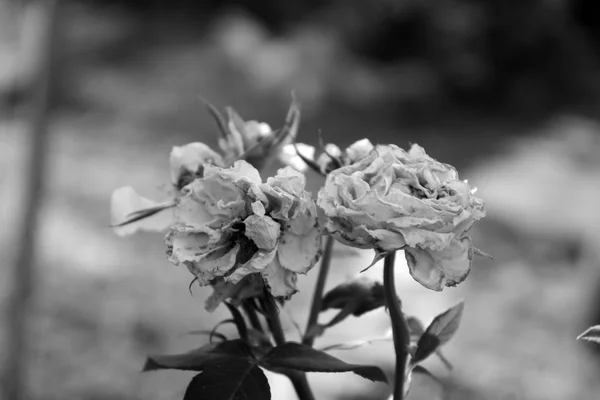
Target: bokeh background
[{"x": 507, "y": 91}]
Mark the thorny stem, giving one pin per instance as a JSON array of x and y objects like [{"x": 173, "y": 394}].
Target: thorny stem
[
  {"x": 252, "y": 316},
  {"x": 399, "y": 326},
  {"x": 317, "y": 301},
  {"x": 297, "y": 378}
]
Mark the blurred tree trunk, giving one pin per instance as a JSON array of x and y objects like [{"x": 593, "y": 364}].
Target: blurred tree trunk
[{"x": 38, "y": 42}]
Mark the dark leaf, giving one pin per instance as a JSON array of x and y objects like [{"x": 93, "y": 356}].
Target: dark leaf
[
  {"x": 439, "y": 332},
  {"x": 235, "y": 379},
  {"x": 239, "y": 321},
  {"x": 296, "y": 356},
  {"x": 219, "y": 120},
  {"x": 362, "y": 294},
  {"x": 201, "y": 358},
  {"x": 592, "y": 334},
  {"x": 258, "y": 340},
  {"x": 416, "y": 326},
  {"x": 145, "y": 213},
  {"x": 292, "y": 122},
  {"x": 237, "y": 121},
  {"x": 354, "y": 344},
  {"x": 428, "y": 344}
]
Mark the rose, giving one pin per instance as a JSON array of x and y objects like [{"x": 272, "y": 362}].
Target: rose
[
  {"x": 393, "y": 199},
  {"x": 229, "y": 225}
]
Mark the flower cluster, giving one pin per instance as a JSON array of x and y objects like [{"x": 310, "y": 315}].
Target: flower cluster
[
  {"x": 253, "y": 141},
  {"x": 392, "y": 199},
  {"x": 229, "y": 225}
]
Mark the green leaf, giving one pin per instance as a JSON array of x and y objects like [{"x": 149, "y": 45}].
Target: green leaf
[
  {"x": 361, "y": 295},
  {"x": 235, "y": 379},
  {"x": 299, "y": 357},
  {"x": 592, "y": 334},
  {"x": 219, "y": 120},
  {"x": 438, "y": 333},
  {"x": 201, "y": 358},
  {"x": 144, "y": 213},
  {"x": 415, "y": 326},
  {"x": 228, "y": 371},
  {"x": 354, "y": 344}
]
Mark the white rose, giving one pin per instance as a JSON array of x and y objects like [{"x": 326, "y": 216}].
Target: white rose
[
  {"x": 392, "y": 199},
  {"x": 231, "y": 225}
]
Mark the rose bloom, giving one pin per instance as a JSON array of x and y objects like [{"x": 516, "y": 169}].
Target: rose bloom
[
  {"x": 393, "y": 199},
  {"x": 230, "y": 225}
]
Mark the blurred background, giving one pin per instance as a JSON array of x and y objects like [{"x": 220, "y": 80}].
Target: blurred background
[{"x": 507, "y": 91}]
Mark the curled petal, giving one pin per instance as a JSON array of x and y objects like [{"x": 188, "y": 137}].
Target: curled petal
[
  {"x": 358, "y": 150},
  {"x": 125, "y": 201},
  {"x": 290, "y": 180},
  {"x": 263, "y": 231},
  {"x": 280, "y": 281},
  {"x": 299, "y": 253},
  {"x": 190, "y": 210},
  {"x": 192, "y": 245},
  {"x": 216, "y": 262},
  {"x": 258, "y": 263},
  {"x": 241, "y": 170},
  {"x": 438, "y": 269},
  {"x": 190, "y": 158}
]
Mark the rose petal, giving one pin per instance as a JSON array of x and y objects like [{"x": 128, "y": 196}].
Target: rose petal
[
  {"x": 240, "y": 170},
  {"x": 125, "y": 201},
  {"x": 437, "y": 269},
  {"x": 216, "y": 262},
  {"x": 280, "y": 281},
  {"x": 263, "y": 231},
  {"x": 300, "y": 252},
  {"x": 358, "y": 150},
  {"x": 191, "y": 245},
  {"x": 258, "y": 263},
  {"x": 289, "y": 180},
  {"x": 190, "y": 210},
  {"x": 190, "y": 157}
]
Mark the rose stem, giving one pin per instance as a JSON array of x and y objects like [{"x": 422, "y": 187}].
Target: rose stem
[
  {"x": 317, "y": 300},
  {"x": 252, "y": 316},
  {"x": 297, "y": 378},
  {"x": 399, "y": 325}
]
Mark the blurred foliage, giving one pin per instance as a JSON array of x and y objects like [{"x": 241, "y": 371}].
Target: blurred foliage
[{"x": 525, "y": 56}]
